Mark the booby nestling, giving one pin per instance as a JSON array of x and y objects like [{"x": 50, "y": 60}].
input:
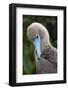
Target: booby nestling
[{"x": 45, "y": 53}]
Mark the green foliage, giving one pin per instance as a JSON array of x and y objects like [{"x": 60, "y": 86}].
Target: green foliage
[{"x": 50, "y": 22}]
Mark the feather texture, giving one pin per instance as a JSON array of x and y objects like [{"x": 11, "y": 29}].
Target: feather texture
[{"x": 48, "y": 61}]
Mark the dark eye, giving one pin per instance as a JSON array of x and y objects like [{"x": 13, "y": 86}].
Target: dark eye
[{"x": 36, "y": 36}]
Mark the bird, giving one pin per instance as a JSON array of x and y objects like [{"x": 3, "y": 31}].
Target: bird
[{"x": 45, "y": 54}]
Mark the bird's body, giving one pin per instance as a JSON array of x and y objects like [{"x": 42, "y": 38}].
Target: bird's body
[
  {"x": 48, "y": 61},
  {"x": 45, "y": 53}
]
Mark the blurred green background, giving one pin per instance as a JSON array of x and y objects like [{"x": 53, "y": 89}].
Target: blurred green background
[{"x": 50, "y": 22}]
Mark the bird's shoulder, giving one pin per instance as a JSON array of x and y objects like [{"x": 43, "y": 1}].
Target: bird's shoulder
[{"x": 50, "y": 53}]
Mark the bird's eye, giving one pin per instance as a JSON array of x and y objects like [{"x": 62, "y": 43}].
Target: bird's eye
[{"x": 36, "y": 36}]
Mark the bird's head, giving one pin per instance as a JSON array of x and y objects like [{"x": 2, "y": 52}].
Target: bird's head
[{"x": 39, "y": 35}]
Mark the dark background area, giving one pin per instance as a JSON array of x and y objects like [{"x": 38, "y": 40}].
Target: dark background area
[{"x": 50, "y": 22}]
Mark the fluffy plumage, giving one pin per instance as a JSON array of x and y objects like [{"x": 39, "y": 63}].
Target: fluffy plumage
[{"x": 47, "y": 63}]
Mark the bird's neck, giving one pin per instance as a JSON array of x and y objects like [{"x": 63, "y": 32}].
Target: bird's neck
[{"x": 45, "y": 44}]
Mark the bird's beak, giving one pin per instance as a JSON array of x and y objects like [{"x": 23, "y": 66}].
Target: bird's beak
[{"x": 37, "y": 44}]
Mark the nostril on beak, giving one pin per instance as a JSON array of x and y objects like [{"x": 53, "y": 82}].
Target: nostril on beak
[{"x": 37, "y": 54}]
